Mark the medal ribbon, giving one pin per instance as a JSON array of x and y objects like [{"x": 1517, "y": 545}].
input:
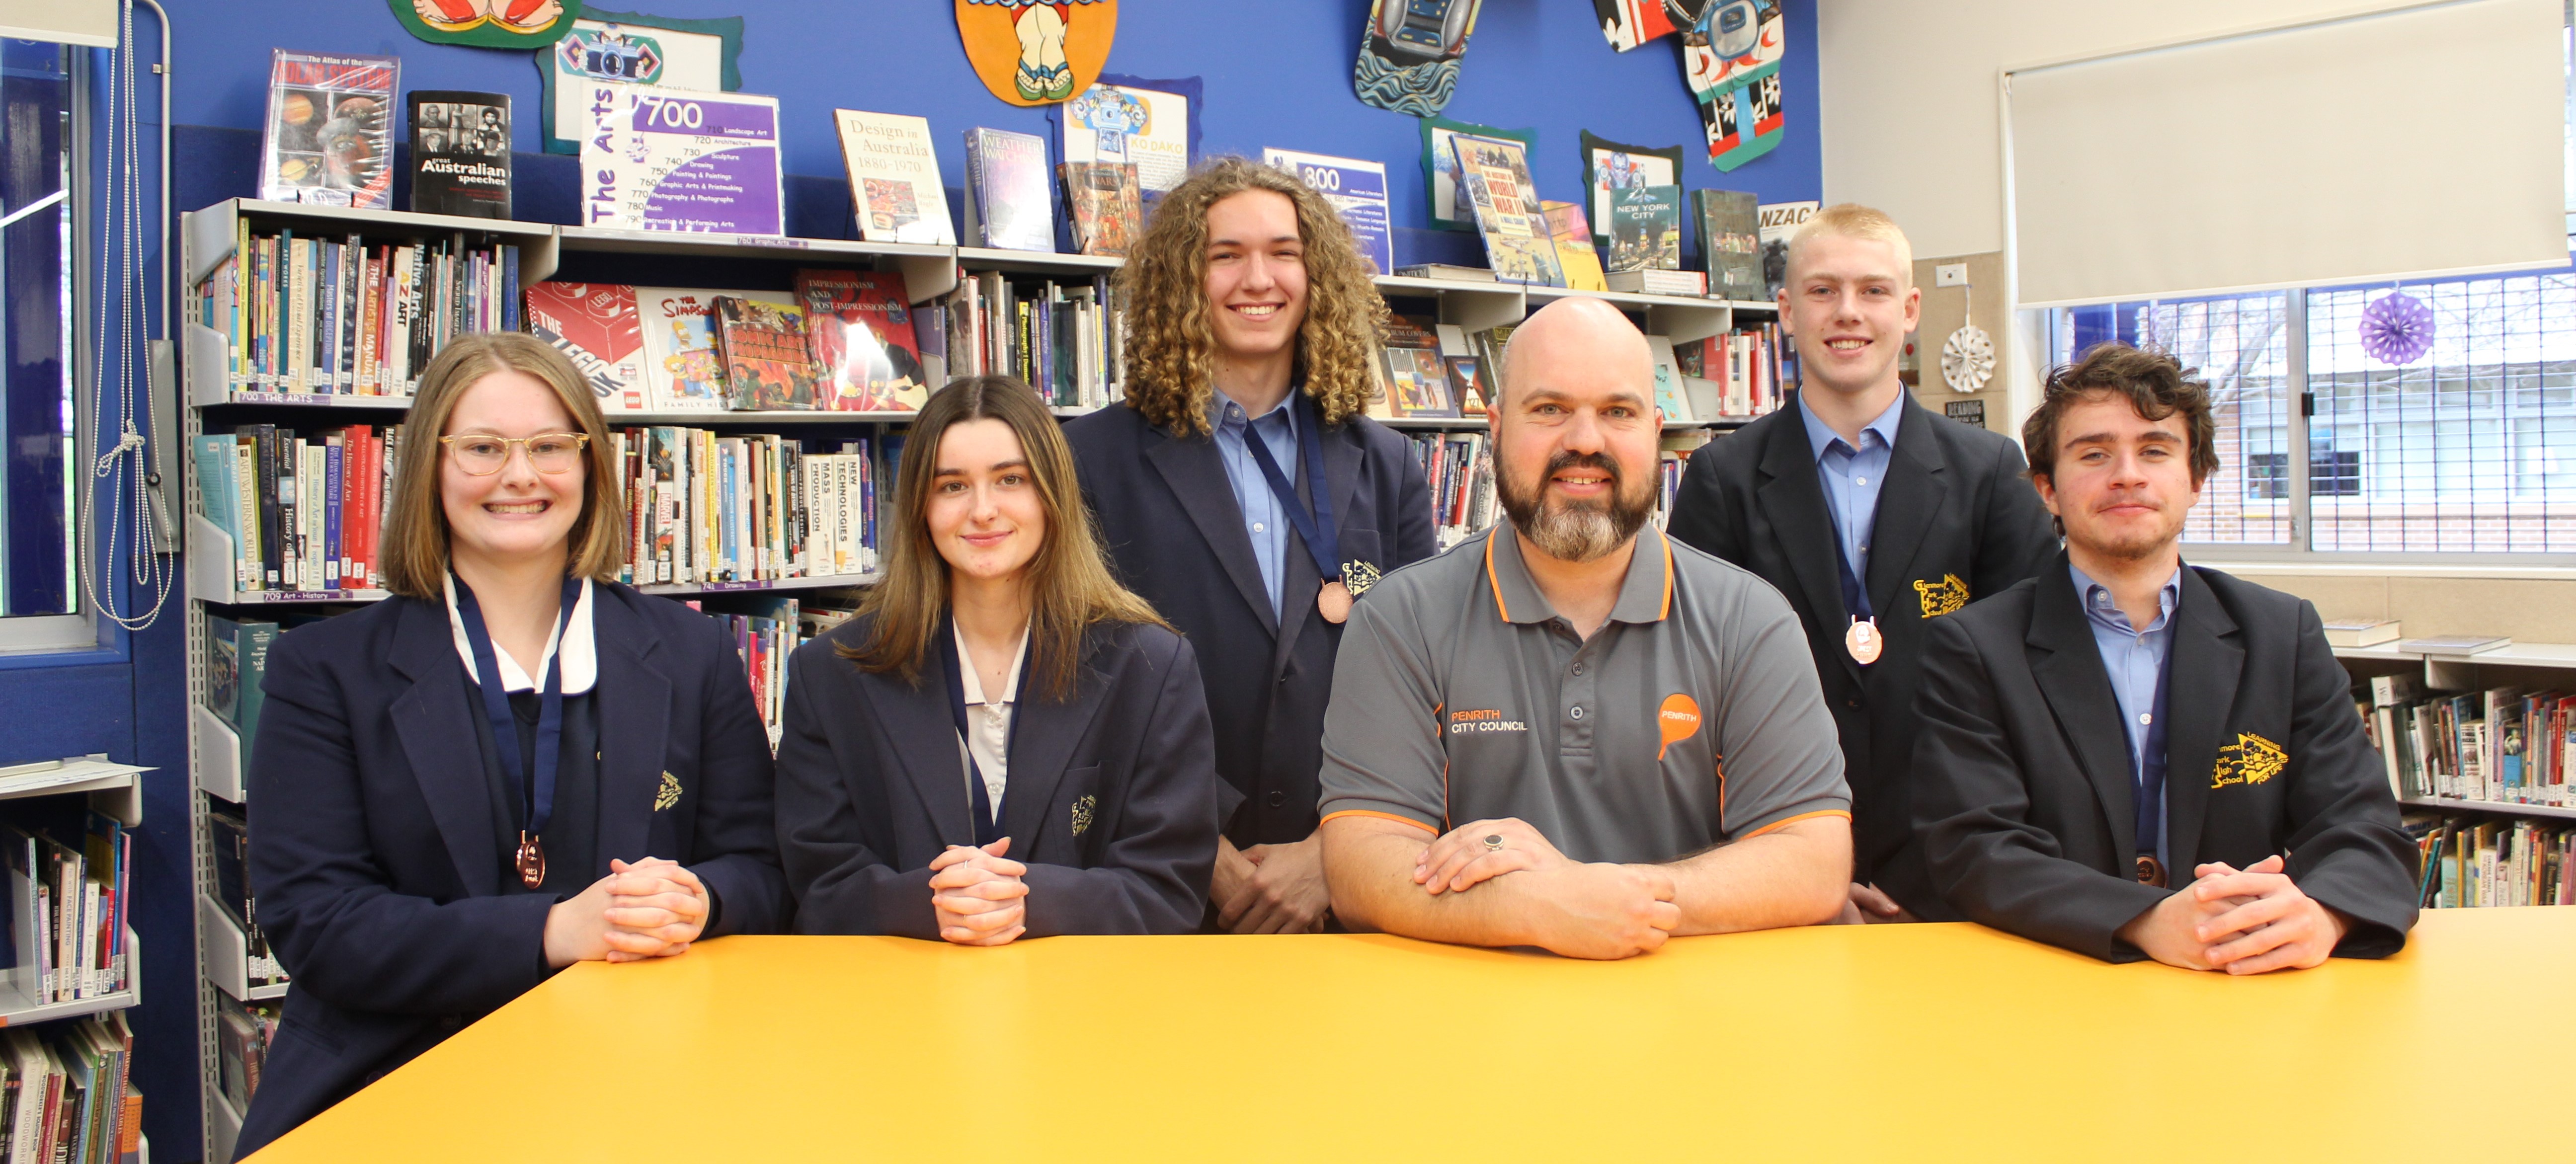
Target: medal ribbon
[
  {"x": 988, "y": 815},
  {"x": 1323, "y": 541},
  {"x": 1855, "y": 595},
  {"x": 540, "y": 800}
]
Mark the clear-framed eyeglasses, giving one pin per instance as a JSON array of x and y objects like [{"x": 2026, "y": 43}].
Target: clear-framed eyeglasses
[{"x": 548, "y": 452}]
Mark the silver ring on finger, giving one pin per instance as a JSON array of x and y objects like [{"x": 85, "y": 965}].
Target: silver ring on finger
[{"x": 1494, "y": 843}]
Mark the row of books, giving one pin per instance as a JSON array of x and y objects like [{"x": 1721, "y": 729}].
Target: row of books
[
  {"x": 1671, "y": 462},
  {"x": 1067, "y": 341},
  {"x": 67, "y": 1094},
  {"x": 766, "y": 629},
  {"x": 2503, "y": 745},
  {"x": 1735, "y": 375},
  {"x": 1460, "y": 468},
  {"x": 2491, "y": 861},
  {"x": 304, "y": 510},
  {"x": 67, "y": 902},
  {"x": 243, "y": 1031},
  {"x": 715, "y": 508},
  {"x": 228, "y": 838},
  {"x": 350, "y": 317}
]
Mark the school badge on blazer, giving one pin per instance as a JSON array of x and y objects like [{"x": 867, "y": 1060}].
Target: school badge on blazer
[
  {"x": 2250, "y": 760},
  {"x": 1082, "y": 808},
  {"x": 668, "y": 794},
  {"x": 1943, "y": 597}
]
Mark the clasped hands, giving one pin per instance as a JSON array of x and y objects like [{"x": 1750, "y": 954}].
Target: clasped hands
[
  {"x": 651, "y": 908},
  {"x": 978, "y": 895},
  {"x": 1573, "y": 908},
  {"x": 2242, "y": 922}
]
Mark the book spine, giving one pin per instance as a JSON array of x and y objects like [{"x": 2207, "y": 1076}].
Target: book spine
[{"x": 335, "y": 508}]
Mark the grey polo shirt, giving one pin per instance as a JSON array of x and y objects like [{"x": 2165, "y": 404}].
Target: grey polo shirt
[{"x": 1460, "y": 695}]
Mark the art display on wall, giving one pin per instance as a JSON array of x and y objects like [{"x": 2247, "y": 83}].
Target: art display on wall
[
  {"x": 635, "y": 49},
  {"x": 1610, "y": 166},
  {"x": 1730, "y": 57},
  {"x": 1037, "y": 52},
  {"x": 1152, "y": 124},
  {"x": 1451, "y": 208},
  {"x": 500, "y": 24},
  {"x": 1409, "y": 54}
]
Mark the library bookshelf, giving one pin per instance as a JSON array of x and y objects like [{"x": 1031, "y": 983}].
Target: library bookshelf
[
  {"x": 217, "y": 756},
  {"x": 2532, "y": 665}
]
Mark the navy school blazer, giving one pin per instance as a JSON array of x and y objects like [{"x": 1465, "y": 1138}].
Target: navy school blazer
[
  {"x": 371, "y": 834},
  {"x": 1110, "y": 800},
  {"x": 2022, "y": 784},
  {"x": 1957, "y": 521},
  {"x": 1168, "y": 514}
]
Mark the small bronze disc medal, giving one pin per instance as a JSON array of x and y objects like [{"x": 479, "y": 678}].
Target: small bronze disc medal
[
  {"x": 1863, "y": 641},
  {"x": 1335, "y": 601},
  {"x": 531, "y": 861}
]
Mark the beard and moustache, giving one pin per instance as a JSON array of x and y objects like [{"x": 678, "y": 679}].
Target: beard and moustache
[{"x": 1574, "y": 531}]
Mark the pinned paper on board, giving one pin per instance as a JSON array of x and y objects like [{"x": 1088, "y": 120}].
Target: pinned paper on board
[
  {"x": 1037, "y": 52},
  {"x": 501, "y": 24},
  {"x": 1409, "y": 54}
]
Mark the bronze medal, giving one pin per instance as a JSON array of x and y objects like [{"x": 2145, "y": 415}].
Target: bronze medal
[
  {"x": 1335, "y": 601},
  {"x": 531, "y": 861},
  {"x": 2150, "y": 871},
  {"x": 1863, "y": 641}
]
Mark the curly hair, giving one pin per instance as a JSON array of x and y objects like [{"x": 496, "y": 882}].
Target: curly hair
[
  {"x": 2152, "y": 381},
  {"x": 1171, "y": 345}
]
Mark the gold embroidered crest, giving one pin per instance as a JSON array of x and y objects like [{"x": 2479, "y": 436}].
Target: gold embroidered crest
[
  {"x": 1942, "y": 597},
  {"x": 1082, "y": 813},
  {"x": 669, "y": 794},
  {"x": 1357, "y": 577},
  {"x": 2250, "y": 760}
]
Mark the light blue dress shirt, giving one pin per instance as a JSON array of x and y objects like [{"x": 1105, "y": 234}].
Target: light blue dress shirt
[
  {"x": 1262, "y": 517},
  {"x": 1852, "y": 477},
  {"x": 2136, "y": 661}
]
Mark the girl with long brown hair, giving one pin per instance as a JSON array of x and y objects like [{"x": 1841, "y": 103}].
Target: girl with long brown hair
[
  {"x": 1004, "y": 741},
  {"x": 512, "y": 764}
]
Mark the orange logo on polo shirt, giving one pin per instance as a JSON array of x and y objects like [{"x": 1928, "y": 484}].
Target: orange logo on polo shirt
[
  {"x": 1679, "y": 719},
  {"x": 1483, "y": 720}
]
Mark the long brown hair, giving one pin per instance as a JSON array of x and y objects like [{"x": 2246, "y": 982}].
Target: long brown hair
[
  {"x": 1070, "y": 584},
  {"x": 1171, "y": 346},
  {"x": 415, "y": 549}
]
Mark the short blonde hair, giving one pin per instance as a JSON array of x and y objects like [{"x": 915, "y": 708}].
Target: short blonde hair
[
  {"x": 1853, "y": 220},
  {"x": 415, "y": 547}
]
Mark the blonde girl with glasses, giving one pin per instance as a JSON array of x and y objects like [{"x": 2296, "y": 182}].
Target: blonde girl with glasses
[{"x": 513, "y": 764}]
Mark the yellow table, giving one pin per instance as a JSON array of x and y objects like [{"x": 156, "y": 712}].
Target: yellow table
[{"x": 1881, "y": 1043}]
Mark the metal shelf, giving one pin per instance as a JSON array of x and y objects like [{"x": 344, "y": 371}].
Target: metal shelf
[
  {"x": 929, "y": 271},
  {"x": 209, "y": 235},
  {"x": 2448, "y": 805},
  {"x": 17, "y": 1009},
  {"x": 228, "y": 965}
]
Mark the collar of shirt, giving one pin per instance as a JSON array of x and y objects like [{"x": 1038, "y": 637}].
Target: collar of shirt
[
  {"x": 1823, "y": 439},
  {"x": 1645, "y": 595},
  {"x": 579, "y": 648},
  {"x": 971, "y": 682},
  {"x": 2104, "y": 611},
  {"x": 1227, "y": 416}
]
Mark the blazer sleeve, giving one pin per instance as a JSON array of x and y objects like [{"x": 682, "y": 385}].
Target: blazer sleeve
[
  {"x": 2347, "y": 846},
  {"x": 1153, "y": 878},
  {"x": 840, "y": 884},
  {"x": 324, "y": 901},
  {"x": 1700, "y": 517},
  {"x": 2018, "y": 538},
  {"x": 1416, "y": 537},
  {"x": 734, "y": 841},
  {"x": 1972, "y": 807}
]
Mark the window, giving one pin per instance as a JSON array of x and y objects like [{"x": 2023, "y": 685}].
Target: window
[
  {"x": 38, "y": 473},
  {"x": 2468, "y": 448}
]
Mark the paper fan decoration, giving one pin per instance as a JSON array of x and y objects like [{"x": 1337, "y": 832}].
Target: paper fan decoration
[
  {"x": 2397, "y": 330},
  {"x": 1967, "y": 359}
]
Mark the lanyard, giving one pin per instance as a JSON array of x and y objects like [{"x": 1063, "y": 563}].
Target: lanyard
[
  {"x": 1855, "y": 595},
  {"x": 988, "y": 815},
  {"x": 1322, "y": 540},
  {"x": 540, "y": 800}
]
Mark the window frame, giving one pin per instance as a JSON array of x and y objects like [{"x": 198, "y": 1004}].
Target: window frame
[{"x": 43, "y": 639}]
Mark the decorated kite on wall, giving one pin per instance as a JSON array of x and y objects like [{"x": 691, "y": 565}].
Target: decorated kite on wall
[
  {"x": 501, "y": 24},
  {"x": 1037, "y": 52},
  {"x": 1730, "y": 56},
  {"x": 1409, "y": 55}
]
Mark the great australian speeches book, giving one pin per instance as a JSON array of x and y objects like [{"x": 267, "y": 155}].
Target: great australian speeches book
[
  {"x": 329, "y": 137},
  {"x": 861, "y": 337},
  {"x": 1102, "y": 202},
  {"x": 1646, "y": 229},
  {"x": 595, "y": 324},
  {"x": 460, "y": 153},
  {"x": 1007, "y": 202},
  {"x": 1730, "y": 227},
  {"x": 766, "y": 364}
]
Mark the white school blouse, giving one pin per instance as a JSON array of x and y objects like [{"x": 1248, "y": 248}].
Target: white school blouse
[{"x": 988, "y": 721}]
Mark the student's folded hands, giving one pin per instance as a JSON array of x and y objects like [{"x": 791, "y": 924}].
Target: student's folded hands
[{"x": 978, "y": 895}]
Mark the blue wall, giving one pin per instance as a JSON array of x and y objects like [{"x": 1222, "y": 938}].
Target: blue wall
[{"x": 1275, "y": 75}]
